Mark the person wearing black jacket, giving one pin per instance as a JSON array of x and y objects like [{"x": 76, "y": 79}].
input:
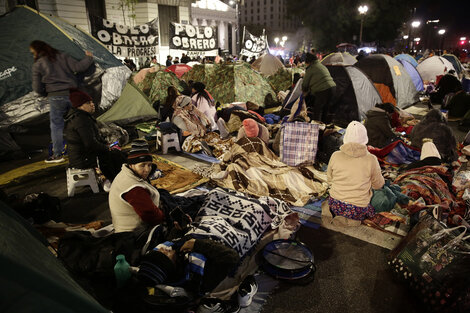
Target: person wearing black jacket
[
  {"x": 84, "y": 141},
  {"x": 379, "y": 129}
]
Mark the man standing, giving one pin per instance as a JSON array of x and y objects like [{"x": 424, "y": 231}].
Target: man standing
[
  {"x": 318, "y": 88},
  {"x": 84, "y": 141},
  {"x": 168, "y": 61}
]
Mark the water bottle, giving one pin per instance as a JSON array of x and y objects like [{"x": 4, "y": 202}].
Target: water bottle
[{"x": 121, "y": 270}]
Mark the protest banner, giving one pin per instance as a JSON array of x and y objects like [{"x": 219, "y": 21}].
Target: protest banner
[{"x": 194, "y": 40}]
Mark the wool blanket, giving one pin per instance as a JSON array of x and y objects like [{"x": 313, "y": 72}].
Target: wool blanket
[
  {"x": 252, "y": 168},
  {"x": 397, "y": 152},
  {"x": 236, "y": 220},
  {"x": 193, "y": 144}
]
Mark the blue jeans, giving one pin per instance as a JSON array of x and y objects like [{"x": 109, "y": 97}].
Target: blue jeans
[{"x": 59, "y": 105}]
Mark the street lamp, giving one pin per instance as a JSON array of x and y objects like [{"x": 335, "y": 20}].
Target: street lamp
[
  {"x": 284, "y": 38},
  {"x": 405, "y": 37},
  {"x": 441, "y": 32},
  {"x": 414, "y": 24},
  {"x": 276, "y": 40},
  {"x": 362, "y": 12}
]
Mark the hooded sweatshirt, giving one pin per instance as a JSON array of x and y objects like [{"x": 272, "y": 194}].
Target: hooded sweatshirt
[
  {"x": 352, "y": 173},
  {"x": 378, "y": 127}
]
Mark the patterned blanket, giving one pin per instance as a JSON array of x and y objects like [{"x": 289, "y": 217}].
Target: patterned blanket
[
  {"x": 397, "y": 152},
  {"x": 252, "y": 168},
  {"x": 236, "y": 220}
]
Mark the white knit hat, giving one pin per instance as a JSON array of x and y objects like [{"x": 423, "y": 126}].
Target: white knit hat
[
  {"x": 429, "y": 150},
  {"x": 356, "y": 132}
]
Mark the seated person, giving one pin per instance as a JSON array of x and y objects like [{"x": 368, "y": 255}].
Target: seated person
[
  {"x": 429, "y": 156},
  {"x": 379, "y": 129},
  {"x": 352, "y": 174},
  {"x": 251, "y": 128},
  {"x": 133, "y": 201},
  {"x": 204, "y": 103},
  {"x": 166, "y": 111},
  {"x": 84, "y": 141},
  {"x": 434, "y": 126},
  {"x": 188, "y": 118},
  {"x": 459, "y": 104},
  {"x": 447, "y": 84}
]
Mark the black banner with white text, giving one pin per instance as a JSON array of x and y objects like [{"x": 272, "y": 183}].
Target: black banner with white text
[{"x": 195, "y": 40}]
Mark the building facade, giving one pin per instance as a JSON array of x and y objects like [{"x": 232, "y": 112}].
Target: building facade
[{"x": 218, "y": 14}]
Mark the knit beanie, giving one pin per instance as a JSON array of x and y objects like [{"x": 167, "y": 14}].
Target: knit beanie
[
  {"x": 78, "y": 98},
  {"x": 199, "y": 87},
  {"x": 429, "y": 150},
  {"x": 156, "y": 268},
  {"x": 139, "y": 152},
  {"x": 251, "y": 127},
  {"x": 182, "y": 101},
  {"x": 356, "y": 132}
]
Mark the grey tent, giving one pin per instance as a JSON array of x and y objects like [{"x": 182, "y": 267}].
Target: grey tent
[{"x": 32, "y": 279}]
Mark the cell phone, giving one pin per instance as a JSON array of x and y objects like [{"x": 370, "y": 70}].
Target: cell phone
[{"x": 177, "y": 215}]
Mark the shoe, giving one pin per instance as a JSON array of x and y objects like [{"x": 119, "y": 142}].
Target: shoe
[
  {"x": 107, "y": 185},
  {"x": 247, "y": 291},
  {"x": 54, "y": 159},
  {"x": 218, "y": 306}
]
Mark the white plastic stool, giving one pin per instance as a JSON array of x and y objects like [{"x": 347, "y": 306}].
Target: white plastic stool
[
  {"x": 78, "y": 177},
  {"x": 170, "y": 140}
]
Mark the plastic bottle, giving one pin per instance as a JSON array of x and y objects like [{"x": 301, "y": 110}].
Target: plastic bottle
[{"x": 121, "y": 270}]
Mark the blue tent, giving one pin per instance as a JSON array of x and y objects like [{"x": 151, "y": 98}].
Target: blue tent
[
  {"x": 415, "y": 77},
  {"x": 455, "y": 62},
  {"x": 408, "y": 58}
]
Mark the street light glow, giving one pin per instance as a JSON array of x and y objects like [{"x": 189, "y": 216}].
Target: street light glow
[
  {"x": 463, "y": 38},
  {"x": 416, "y": 24},
  {"x": 405, "y": 37},
  {"x": 284, "y": 38},
  {"x": 441, "y": 31},
  {"x": 231, "y": 2},
  {"x": 417, "y": 39},
  {"x": 363, "y": 9},
  {"x": 276, "y": 40}
]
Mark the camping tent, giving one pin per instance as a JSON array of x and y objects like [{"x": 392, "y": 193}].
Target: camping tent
[
  {"x": 131, "y": 106},
  {"x": 230, "y": 83},
  {"x": 178, "y": 69},
  {"x": 32, "y": 279},
  {"x": 155, "y": 85},
  {"x": 281, "y": 80},
  {"x": 355, "y": 94},
  {"x": 407, "y": 58},
  {"x": 413, "y": 72},
  {"x": 267, "y": 64},
  {"x": 390, "y": 78},
  {"x": 339, "y": 58},
  {"x": 433, "y": 67},
  {"x": 458, "y": 67}
]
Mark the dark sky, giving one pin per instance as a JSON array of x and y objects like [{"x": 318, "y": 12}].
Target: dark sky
[{"x": 454, "y": 15}]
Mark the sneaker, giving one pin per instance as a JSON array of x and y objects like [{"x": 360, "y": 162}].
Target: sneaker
[
  {"x": 54, "y": 159},
  {"x": 107, "y": 185},
  {"x": 247, "y": 291},
  {"x": 218, "y": 306}
]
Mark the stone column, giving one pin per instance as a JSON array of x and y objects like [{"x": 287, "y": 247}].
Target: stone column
[
  {"x": 234, "y": 39},
  {"x": 222, "y": 34}
]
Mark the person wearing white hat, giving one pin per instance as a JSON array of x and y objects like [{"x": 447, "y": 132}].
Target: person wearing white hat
[
  {"x": 430, "y": 156},
  {"x": 352, "y": 174}
]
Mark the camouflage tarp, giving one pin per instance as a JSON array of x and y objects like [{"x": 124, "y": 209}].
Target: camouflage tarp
[
  {"x": 230, "y": 83},
  {"x": 281, "y": 80},
  {"x": 155, "y": 85}
]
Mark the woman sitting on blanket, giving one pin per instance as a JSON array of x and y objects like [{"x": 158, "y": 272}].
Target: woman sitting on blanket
[
  {"x": 133, "y": 201},
  {"x": 189, "y": 119},
  {"x": 204, "y": 103},
  {"x": 352, "y": 173}
]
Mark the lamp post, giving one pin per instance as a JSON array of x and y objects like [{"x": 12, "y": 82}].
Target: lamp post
[
  {"x": 362, "y": 12},
  {"x": 414, "y": 24},
  {"x": 441, "y": 33},
  {"x": 276, "y": 40}
]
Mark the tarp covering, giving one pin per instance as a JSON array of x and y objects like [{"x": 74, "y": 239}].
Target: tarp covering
[
  {"x": 23, "y": 25},
  {"x": 32, "y": 279},
  {"x": 383, "y": 69},
  {"x": 131, "y": 106},
  {"x": 339, "y": 58},
  {"x": 178, "y": 69},
  {"x": 267, "y": 64},
  {"x": 281, "y": 80},
  {"x": 155, "y": 85},
  {"x": 434, "y": 66},
  {"x": 408, "y": 58}
]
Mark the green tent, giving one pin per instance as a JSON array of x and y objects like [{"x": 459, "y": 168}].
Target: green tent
[
  {"x": 155, "y": 85},
  {"x": 132, "y": 105},
  {"x": 230, "y": 83},
  {"x": 281, "y": 80},
  {"x": 32, "y": 279},
  {"x": 19, "y": 28}
]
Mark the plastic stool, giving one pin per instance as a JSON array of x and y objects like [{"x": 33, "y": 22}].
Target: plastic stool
[
  {"x": 78, "y": 177},
  {"x": 170, "y": 140}
]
